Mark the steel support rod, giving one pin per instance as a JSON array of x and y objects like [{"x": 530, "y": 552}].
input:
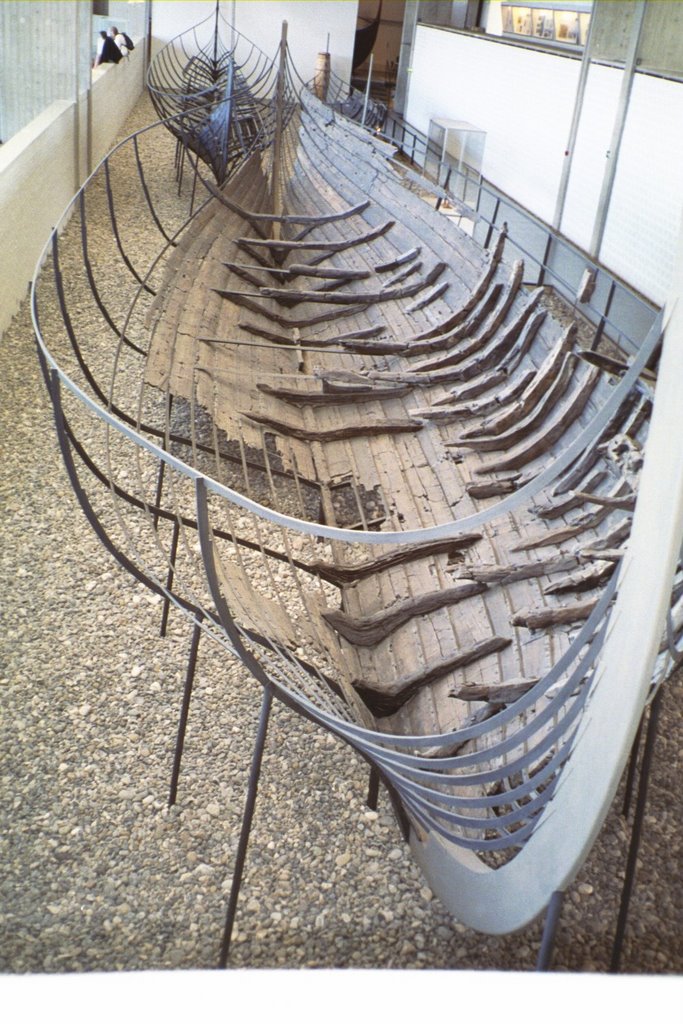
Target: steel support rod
[
  {"x": 552, "y": 920},
  {"x": 169, "y": 579},
  {"x": 612, "y": 155},
  {"x": 574, "y": 127},
  {"x": 631, "y": 771},
  {"x": 636, "y": 831},
  {"x": 247, "y": 817},
  {"x": 373, "y": 789},
  {"x": 185, "y": 708}
]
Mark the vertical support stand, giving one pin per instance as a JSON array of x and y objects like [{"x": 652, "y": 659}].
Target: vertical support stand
[
  {"x": 648, "y": 751},
  {"x": 373, "y": 789},
  {"x": 185, "y": 708},
  {"x": 247, "y": 818},
  {"x": 169, "y": 578},
  {"x": 276, "y": 184},
  {"x": 492, "y": 223},
  {"x": 631, "y": 771},
  {"x": 367, "y": 91},
  {"x": 552, "y": 919}
]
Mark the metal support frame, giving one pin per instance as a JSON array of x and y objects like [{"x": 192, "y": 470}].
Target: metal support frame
[
  {"x": 169, "y": 579},
  {"x": 552, "y": 920},
  {"x": 247, "y": 818},
  {"x": 636, "y": 829},
  {"x": 185, "y": 708},
  {"x": 373, "y": 789}
]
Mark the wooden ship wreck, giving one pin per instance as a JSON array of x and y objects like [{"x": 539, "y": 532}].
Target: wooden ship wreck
[{"x": 359, "y": 451}]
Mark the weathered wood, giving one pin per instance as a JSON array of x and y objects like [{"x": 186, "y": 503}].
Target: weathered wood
[
  {"x": 456, "y": 413},
  {"x": 405, "y": 257},
  {"x": 541, "y": 443},
  {"x": 332, "y": 273},
  {"x": 369, "y": 428},
  {"x": 294, "y": 270},
  {"x": 543, "y": 618},
  {"x": 492, "y": 489},
  {"x": 610, "y": 501},
  {"x": 403, "y": 555},
  {"x": 380, "y": 295},
  {"x": 434, "y": 293},
  {"x": 447, "y": 340},
  {"x": 361, "y": 332},
  {"x": 589, "y": 522},
  {"x": 503, "y": 575},
  {"x": 573, "y": 475},
  {"x": 526, "y": 424},
  {"x": 496, "y": 317},
  {"x": 549, "y": 371},
  {"x": 333, "y": 396},
  {"x": 554, "y": 509},
  {"x": 456, "y": 318},
  {"x": 505, "y": 692},
  {"x": 240, "y": 299},
  {"x": 255, "y": 217},
  {"x": 284, "y": 246},
  {"x": 614, "y": 366},
  {"x": 372, "y": 629},
  {"x": 404, "y": 274},
  {"x": 507, "y": 351},
  {"x": 586, "y": 578},
  {"x": 385, "y": 697}
]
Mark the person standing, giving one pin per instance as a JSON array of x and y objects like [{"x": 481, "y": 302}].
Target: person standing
[
  {"x": 119, "y": 40},
  {"x": 107, "y": 51}
]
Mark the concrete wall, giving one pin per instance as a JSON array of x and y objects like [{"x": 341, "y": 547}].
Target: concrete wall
[
  {"x": 308, "y": 21},
  {"x": 36, "y": 183},
  {"x": 116, "y": 89},
  {"x": 38, "y": 174},
  {"x": 524, "y": 99}
]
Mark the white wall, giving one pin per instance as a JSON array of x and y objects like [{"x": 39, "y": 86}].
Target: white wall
[
  {"x": 647, "y": 198},
  {"x": 524, "y": 99},
  {"x": 36, "y": 183},
  {"x": 116, "y": 89},
  {"x": 38, "y": 175},
  {"x": 308, "y": 23},
  {"x": 592, "y": 144}
]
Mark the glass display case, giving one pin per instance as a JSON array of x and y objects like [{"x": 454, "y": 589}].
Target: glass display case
[{"x": 563, "y": 24}]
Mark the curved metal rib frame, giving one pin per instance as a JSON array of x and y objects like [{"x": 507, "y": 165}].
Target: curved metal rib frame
[{"x": 552, "y": 757}]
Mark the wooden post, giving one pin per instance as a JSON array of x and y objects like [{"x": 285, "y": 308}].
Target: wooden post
[
  {"x": 367, "y": 91},
  {"x": 276, "y": 183}
]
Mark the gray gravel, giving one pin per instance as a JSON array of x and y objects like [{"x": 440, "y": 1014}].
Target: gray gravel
[{"x": 99, "y": 874}]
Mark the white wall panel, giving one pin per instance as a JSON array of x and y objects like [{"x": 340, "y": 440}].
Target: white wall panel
[
  {"x": 308, "y": 22},
  {"x": 590, "y": 153},
  {"x": 36, "y": 183},
  {"x": 522, "y": 99},
  {"x": 647, "y": 198},
  {"x": 37, "y": 173}
]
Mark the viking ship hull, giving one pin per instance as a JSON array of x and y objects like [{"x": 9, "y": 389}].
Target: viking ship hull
[{"x": 364, "y": 454}]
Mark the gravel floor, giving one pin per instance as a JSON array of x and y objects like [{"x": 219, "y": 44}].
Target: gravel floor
[{"x": 99, "y": 874}]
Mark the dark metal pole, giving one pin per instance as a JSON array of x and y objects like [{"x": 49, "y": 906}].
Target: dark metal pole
[
  {"x": 492, "y": 223},
  {"x": 631, "y": 771},
  {"x": 636, "y": 831},
  {"x": 373, "y": 789},
  {"x": 169, "y": 578},
  {"x": 552, "y": 919},
  {"x": 247, "y": 818},
  {"x": 185, "y": 709}
]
